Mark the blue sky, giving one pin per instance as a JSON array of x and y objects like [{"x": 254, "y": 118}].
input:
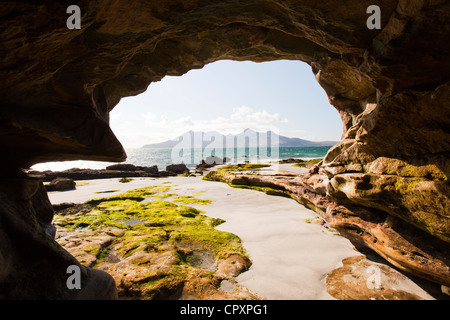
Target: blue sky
[{"x": 229, "y": 96}]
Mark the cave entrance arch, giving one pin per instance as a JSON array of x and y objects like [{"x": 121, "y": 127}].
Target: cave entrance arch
[{"x": 57, "y": 91}]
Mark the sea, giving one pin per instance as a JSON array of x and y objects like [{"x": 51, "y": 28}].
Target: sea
[{"x": 164, "y": 157}]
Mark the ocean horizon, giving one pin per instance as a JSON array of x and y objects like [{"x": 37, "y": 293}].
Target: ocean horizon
[{"x": 164, "y": 157}]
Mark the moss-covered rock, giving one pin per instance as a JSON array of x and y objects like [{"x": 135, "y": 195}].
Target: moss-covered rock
[
  {"x": 239, "y": 176},
  {"x": 149, "y": 248},
  {"x": 415, "y": 193}
]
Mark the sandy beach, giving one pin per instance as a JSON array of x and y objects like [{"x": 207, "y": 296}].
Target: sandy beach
[{"x": 291, "y": 256}]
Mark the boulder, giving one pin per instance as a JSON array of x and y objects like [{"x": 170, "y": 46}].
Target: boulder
[
  {"x": 128, "y": 167},
  {"x": 203, "y": 165},
  {"x": 213, "y": 160},
  {"x": 61, "y": 184},
  {"x": 153, "y": 169},
  {"x": 177, "y": 168},
  {"x": 122, "y": 167}
]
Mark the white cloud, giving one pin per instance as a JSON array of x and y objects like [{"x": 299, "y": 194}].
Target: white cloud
[
  {"x": 184, "y": 122},
  {"x": 149, "y": 117},
  {"x": 265, "y": 117},
  {"x": 241, "y": 113},
  {"x": 245, "y": 113}
]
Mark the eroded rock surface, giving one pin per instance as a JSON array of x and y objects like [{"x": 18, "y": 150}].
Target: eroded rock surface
[
  {"x": 397, "y": 241},
  {"x": 390, "y": 86}
]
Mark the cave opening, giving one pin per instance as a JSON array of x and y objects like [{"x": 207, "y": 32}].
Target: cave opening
[
  {"x": 237, "y": 110},
  {"x": 226, "y": 97}
]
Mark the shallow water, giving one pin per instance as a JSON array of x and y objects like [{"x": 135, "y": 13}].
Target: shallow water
[{"x": 133, "y": 222}]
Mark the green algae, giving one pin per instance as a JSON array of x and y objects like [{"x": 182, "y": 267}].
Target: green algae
[
  {"x": 135, "y": 195},
  {"x": 161, "y": 253},
  {"x": 163, "y": 195},
  {"x": 404, "y": 169},
  {"x": 172, "y": 248},
  {"x": 267, "y": 190},
  {"x": 162, "y": 221},
  {"x": 239, "y": 182},
  {"x": 190, "y": 200},
  {"x": 219, "y": 173}
]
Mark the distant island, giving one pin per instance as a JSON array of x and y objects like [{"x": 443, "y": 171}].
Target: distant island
[{"x": 250, "y": 137}]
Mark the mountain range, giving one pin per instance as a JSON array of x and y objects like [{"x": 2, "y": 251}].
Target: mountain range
[{"x": 247, "y": 138}]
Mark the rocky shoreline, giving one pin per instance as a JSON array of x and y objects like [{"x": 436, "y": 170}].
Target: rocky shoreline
[
  {"x": 135, "y": 237},
  {"x": 114, "y": 171},
  {"x": 126, "y": 170},
  {"x": 394, "y": 240}
]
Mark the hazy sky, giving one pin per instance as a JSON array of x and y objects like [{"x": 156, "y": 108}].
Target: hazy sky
[{"x": 229, "y": 96}]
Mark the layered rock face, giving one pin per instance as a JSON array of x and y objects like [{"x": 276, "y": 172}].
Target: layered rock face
[{"x": 390, "y": 86}]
